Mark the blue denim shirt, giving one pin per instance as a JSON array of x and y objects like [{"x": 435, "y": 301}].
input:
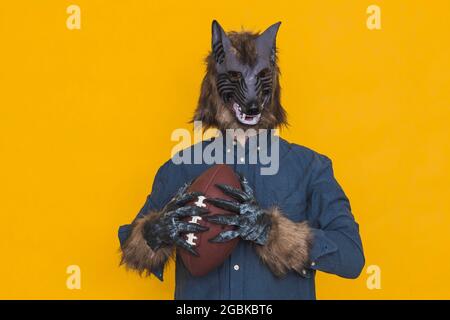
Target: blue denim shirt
[{"x": 304, "y": 189}]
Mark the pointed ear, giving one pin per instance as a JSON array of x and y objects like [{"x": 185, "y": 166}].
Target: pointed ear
[
  {"x": 220, "y": 42},
  {"x": 266, "y": 42}
]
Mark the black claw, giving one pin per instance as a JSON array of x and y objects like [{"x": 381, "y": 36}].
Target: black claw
[
  {"x": 215, "y": 240},
  {"x": 187, "y": 227},
  {"x": 190, "y": 211},
  {"x": 224, "y": 236},
  {"x": 201, "y": 228},
  {"x": 223, "y": 219},
  {"x": 224, "y": 204},
  {"x": 202, "y": 212},
  {"x": 233, "y": 192},
  {"x": 246, "y": 187},
  {"x": 188, "y": 197},
  {"x": 192, "y": 251},
  {"x": 183, "y": 244}
]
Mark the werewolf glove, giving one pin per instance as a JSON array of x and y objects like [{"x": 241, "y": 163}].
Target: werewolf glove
[
  {"x": 284, "y": 245},
  {"x": 169, "y": 227},
  {"x": 154, "y": 235},
  {"x": 252, "y": 221}
]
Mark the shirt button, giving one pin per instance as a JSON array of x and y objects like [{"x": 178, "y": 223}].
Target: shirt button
[
  {"x": 304, "y": 272},
  {"x": 258, "y": 148},
  {"x": 242, "y": 159},
  {"x": 236, "y": 267},
  {"x": 228, "y": 150},
  {"x": 313, "y": 264}
]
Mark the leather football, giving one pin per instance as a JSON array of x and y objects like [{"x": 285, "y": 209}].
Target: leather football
[{"x": 210, "y": 255}]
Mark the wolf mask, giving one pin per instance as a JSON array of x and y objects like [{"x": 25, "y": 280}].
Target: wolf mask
[{"x": 241, "y": 87}]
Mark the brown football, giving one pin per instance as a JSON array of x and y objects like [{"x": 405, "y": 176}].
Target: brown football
[{"x": 210, "y": 255}]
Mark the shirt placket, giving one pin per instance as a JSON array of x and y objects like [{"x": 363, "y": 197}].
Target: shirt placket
[{"x": 235, "y": 268}]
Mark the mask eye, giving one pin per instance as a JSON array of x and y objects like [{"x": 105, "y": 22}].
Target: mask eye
[
  {"x": 265, "y": 76},
  {"x": 265, "y": 73},
  {"x": 227, "y": 97},
  {"x": 234, "y": 75}
]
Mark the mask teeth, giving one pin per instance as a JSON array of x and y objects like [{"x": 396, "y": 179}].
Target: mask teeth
[{"x": 241, "y": 116}]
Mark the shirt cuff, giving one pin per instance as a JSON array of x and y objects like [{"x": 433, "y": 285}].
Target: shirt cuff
[{"x": 322, "y": 246}]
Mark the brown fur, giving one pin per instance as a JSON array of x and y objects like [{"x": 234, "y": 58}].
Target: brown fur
[
  {"x": 137, "y": 255},
  {"x": 214, "y": 113},
  {"x": 288, "y": 245}
]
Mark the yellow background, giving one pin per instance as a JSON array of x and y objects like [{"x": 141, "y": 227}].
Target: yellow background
[{"x": 86, "y": 117}]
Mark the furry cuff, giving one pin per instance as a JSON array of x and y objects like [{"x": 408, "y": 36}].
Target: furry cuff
[
  {"x": 288, "y": 245},
  {"x": 137, "y": 255}
]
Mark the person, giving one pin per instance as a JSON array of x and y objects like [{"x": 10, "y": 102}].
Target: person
[{"x": 290, "y": 224}]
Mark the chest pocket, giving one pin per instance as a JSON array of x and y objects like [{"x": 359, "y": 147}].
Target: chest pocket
[
  {"x": 292, "y": 204},
  {"x": 294, "y": 208},
  {"x": 285, "y": 191}
]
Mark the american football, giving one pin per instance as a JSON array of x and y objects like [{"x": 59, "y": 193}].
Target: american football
[{"x": 210, "y": 255}]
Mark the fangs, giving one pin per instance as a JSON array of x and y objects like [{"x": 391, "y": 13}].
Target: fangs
[{"x": 243, "y": 118}]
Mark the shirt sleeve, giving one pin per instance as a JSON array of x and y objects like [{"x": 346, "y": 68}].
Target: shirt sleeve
[
  {"x": 337, "y": 246},
  {"x": 155, "y": 202}
]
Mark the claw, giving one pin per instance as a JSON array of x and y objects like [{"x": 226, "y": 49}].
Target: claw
[
  {"x": 187, "y": 197},
  {"x": 186, "y": 246},
  {"x": 224, "y": 204},
  {"x": 235, "y": 193},
  {"x": 223, "y": 219},
  {"x": 190, "y": 211},
  {"x": 225, "y": 236},
  {"x": 245, "y": 186},
  {"x": 188, "y": 227}
]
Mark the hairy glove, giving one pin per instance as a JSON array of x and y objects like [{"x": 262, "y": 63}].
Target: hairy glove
[
  {"x": 169, "y": 228},
  {"x": 252, "y": 222}
]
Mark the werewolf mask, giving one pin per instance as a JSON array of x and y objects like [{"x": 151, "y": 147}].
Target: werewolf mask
[{"x": 241, "y": 87}]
